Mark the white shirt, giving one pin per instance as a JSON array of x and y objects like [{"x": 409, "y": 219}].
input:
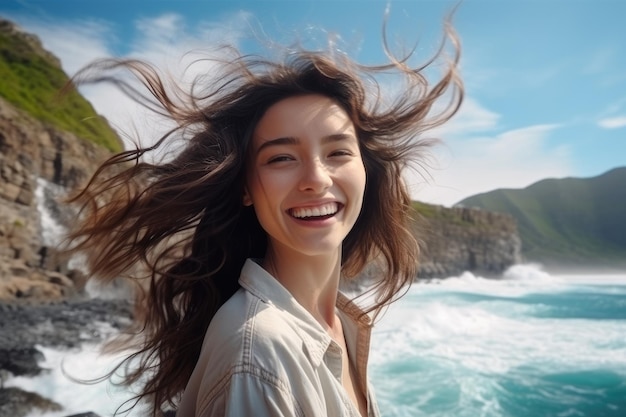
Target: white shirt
[{"x": 265, "y": 355}]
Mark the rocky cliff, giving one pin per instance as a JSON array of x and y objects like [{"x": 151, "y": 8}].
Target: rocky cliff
[
  {"x": 47, "y": 144},
  {"x": 35, "y": 160},
  {"x": 463, "y": 239}
]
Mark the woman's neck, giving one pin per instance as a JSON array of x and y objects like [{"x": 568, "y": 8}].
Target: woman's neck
[{"x": 312, "y": 280}]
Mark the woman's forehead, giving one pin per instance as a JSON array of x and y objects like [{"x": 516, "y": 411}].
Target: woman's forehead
[{"x": 297, "y": 116}]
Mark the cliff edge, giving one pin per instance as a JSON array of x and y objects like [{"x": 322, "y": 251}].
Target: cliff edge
[
  {"x": 465, "y": 239},
  {"x": 37, "y": 162},
  {"x": 47, "y": 144}
]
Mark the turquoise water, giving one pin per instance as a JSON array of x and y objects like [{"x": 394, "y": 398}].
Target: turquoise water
[{"x": 528, "y": 345}]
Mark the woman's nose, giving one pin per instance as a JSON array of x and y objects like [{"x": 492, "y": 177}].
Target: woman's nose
[{"x": 315, "y": 177}]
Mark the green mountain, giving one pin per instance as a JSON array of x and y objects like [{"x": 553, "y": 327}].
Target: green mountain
[
  {"x": 31, "y": 81},
  {"x": 567, "y": 223}
]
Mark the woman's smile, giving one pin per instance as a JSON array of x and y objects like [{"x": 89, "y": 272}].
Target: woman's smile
[{"x": 315, "y": 212}]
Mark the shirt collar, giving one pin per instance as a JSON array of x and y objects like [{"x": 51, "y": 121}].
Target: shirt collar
[{"x": 263, "y": 285}]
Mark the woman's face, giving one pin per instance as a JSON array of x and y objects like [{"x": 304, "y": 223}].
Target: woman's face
[{"x": 305, "y": 177}]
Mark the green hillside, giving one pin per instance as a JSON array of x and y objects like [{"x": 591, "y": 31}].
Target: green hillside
[
  {"x": 567, "y": 222},
  {"x": 31, "y": 80}
]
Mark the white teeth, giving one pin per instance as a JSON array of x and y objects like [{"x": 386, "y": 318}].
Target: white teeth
[{"x": 325, "y": 210}]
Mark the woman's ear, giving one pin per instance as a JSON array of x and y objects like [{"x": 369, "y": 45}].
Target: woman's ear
[{"x": 247, "y": 200}]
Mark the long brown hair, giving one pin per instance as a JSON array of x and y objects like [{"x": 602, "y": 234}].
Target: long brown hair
[{"x": 181, "y": 224}]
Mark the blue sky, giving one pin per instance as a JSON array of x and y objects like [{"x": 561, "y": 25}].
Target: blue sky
[{"x": 545, "y": 80}]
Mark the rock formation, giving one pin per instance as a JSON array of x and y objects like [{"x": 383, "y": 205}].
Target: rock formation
[
  {"x": 465, "y": 239},
  {"x": 455, "y": 240},
  {"x": 37, "y": 164},
  {"x": 33, "y": 159}
]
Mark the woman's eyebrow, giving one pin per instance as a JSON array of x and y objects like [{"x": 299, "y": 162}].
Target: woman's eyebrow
[{"x": 290, "y": 140}]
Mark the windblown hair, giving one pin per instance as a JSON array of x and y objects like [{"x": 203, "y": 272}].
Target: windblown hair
[{"x": 181, "y": 224}]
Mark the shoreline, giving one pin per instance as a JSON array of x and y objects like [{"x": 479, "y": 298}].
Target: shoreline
[{"x": 26, "y": 327}]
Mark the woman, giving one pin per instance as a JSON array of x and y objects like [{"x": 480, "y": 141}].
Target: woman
[{"x": 289, "y": 182}]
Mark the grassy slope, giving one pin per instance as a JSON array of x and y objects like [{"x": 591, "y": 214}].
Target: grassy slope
[
  {"x": 437, "y": 213},
  {"x": 568, "y": 220},
  {"x": 31, "y": 82}
]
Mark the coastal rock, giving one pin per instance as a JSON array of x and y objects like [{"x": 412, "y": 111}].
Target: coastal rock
[
  {"x": 21, "y": 360},
  {"x": 67, "y": 324},
  {"x": 455, "y": 240},
  {"x": 462, "y": 239},
  {"x": 35, "y": 156},
  {"x": 40, "y": 160},
  {"x": 15, "y": 402}
]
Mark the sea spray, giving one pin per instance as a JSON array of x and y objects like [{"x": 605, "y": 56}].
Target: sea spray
[
  {"x": 528, "y": 345},
  {"x": 62, "y": 382}
]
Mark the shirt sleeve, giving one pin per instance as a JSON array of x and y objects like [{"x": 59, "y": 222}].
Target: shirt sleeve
[{"x": 248, "y": 394}]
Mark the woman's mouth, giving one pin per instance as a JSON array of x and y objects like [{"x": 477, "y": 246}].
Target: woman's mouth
[{"x": 315, "y": 213}]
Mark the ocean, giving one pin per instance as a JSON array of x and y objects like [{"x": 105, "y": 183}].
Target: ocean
[{"x": 530, "y": 344}]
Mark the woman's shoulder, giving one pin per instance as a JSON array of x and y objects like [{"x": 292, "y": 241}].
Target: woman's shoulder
[
  {"x": 255, "y": 342},
  {"x": 252, "y": 328}
]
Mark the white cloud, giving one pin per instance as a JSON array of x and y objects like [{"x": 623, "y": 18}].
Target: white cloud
[
  {"x": 480, "y": 163},
  {"x": 612, "y": 122},
  {"x": 74, "y": 43},
  {"x": 471, "y": 118},
  {"x": 166, "y": 40}
]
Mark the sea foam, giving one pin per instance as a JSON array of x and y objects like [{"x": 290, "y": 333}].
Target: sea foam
[{"x": 529, "y": 344}]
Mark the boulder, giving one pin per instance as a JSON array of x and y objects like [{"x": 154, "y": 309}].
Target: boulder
[{"x": 15, "y": 402}]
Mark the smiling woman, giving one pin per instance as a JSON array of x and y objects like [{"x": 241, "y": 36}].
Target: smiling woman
[{"x": 289, "y": 182}]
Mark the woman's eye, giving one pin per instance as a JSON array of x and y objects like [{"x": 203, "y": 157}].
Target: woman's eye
[
  {"x": 279, "y": 158},
  {"x": 341, "y": 152}
]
